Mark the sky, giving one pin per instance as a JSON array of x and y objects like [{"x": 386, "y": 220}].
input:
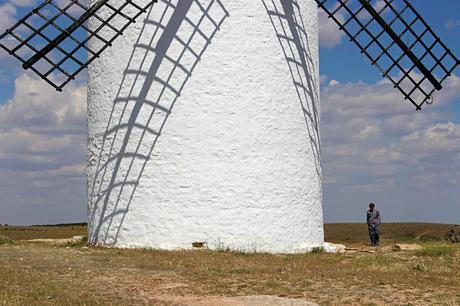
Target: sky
[{"x": 375, "y": 146}]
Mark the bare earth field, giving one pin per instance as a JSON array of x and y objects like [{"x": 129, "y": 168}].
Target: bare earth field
[{"x": 56, "y": 271}]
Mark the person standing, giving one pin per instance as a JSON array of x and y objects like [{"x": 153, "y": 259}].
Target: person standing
[{"x": 373, "y": 224}]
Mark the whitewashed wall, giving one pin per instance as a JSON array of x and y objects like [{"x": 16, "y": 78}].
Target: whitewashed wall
[{"x": 237, "y": 162}]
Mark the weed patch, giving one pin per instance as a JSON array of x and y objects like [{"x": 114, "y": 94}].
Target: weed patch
[
  {"x": 436, "y": 250},
  {"x": 77, "y": 242},
  {"x": 5, "y": 240},
  {"x": 420, "y": 267},
  {"x": 317, "y": 250}
]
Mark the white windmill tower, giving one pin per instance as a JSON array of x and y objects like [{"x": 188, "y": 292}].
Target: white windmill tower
[
  {"x": 204, "y": 116},
  {"x": 237, "y": 162}
]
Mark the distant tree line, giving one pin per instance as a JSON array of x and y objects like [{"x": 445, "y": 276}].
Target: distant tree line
[{"x": 63, "y": 224}]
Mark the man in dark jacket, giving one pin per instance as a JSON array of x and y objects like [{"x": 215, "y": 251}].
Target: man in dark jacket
[{"x": 373, "y": 224}]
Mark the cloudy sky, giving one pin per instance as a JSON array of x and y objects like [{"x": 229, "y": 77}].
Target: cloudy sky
[{"x": 376, "y": 147}]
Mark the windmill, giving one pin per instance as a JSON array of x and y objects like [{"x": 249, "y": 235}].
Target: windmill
[{"x": 237, "y": 163}]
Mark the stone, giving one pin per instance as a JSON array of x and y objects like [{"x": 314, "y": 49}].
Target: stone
[
  {"x": 334, "y": 248},
  {"x": 407, "y": 247}
]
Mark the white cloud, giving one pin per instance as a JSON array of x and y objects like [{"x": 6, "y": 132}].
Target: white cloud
[
  {"x": 371, "y": 136},
  {"x": 370, "y": 130},
  {"x": 74, "y": 10},
  {"x": 42, "y": 151},
  {"x": 23, "y": 3},
  {"x": 437, "y": 138},
  {"x": 329, "y": 33},
  {"x": 379, "y": 5},
  {"x": 7, "y": 16},
  {"x": 8, "y": 11},
  {"x": 37, "y": 106},
  {"x": 323, "y": 79},
  {"x": 452, "y": 24}
]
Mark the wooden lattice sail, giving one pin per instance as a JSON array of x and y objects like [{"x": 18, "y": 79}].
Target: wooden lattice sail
[
  {"x": 52, "y": 39},
  {"x": 398, "y": 41}
]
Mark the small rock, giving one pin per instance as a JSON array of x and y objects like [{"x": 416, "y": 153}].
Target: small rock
[
  {"x": 199, "y": 244},
  {"x": 334, "y": 248},
  {"x": 407, "y": 247}
]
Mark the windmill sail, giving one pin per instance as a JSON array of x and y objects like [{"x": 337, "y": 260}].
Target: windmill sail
[
  {"x": 53, "y": 39},
  {"x": 398, "y": 41}
]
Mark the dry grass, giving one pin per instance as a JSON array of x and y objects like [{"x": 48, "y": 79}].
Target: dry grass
[
  {"x": 437, "y": 250},
  {"x": 45, "y": 274}
]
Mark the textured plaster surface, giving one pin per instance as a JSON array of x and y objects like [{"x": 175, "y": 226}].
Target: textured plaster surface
[{"x": 237, "y": 162}]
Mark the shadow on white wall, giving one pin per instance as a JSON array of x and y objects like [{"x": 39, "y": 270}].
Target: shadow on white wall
[
  {"x": 286, "y": 18},
  {"x": 146, "y": 98},
  {"x": 150, "y": 88}
]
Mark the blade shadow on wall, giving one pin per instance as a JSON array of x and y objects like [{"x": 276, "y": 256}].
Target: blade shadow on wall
[
  {"x": 149, "y": 89},
  {"x": 287, "y": 21}
]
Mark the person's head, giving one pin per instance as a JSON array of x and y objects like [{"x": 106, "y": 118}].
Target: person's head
[{"x": 371, "y": 206}]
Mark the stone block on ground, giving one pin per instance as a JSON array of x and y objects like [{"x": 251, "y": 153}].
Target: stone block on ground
[
  {"x": 407, "y": 247},
  {"x": 334, "y": 248}
]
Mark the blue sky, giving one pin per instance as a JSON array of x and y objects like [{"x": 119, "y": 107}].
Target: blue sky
[{"x": 376, "y": 147}]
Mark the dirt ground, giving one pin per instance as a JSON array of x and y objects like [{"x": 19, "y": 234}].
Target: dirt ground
[{"x": 63, "y": 272}]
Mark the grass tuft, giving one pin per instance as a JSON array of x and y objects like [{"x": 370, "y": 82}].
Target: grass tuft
[
  {"x": 436, "y": 250},
  {"x": 77, "y": 242},
  {"x": 5, "y": 240},
  {"x": 420, "y": 267},
  {"x": 317, "y": 250}
]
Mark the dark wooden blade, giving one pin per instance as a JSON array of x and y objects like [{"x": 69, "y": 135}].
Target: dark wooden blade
[
  {"x": 398, "y": 41},
  {"x": 53, "y": 39}
]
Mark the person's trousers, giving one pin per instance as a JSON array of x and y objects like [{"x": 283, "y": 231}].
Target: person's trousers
[{"x": 374, "y": 234}]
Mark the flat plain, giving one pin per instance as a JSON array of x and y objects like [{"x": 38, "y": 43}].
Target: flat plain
[{"x": 40, "y": 265}]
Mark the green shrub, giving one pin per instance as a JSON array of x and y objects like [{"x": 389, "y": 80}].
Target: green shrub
[
  {"x": 317, "y": 250},
  {"x": 5, "y": 240}
]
